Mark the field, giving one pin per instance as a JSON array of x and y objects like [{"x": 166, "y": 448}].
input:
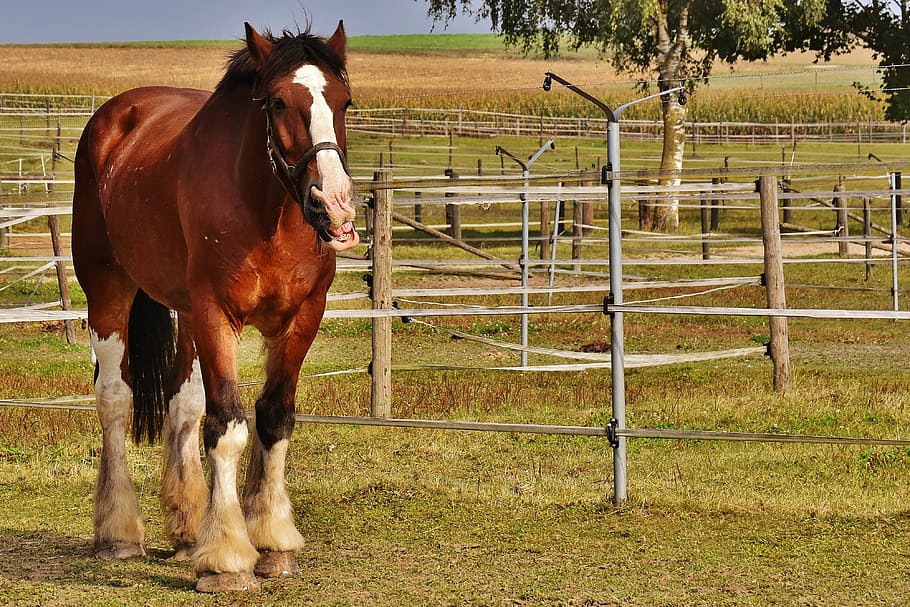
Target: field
[
  {"x": 409, "y": 517},
  {"x": 484, "y": 76}
]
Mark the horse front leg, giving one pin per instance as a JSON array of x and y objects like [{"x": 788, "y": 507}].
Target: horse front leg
[
  {"x": 224, "y": 556},
  {"x": 268, "y": 510}
]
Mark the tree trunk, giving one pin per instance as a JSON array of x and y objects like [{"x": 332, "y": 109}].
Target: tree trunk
[
  {"x": 672, "y": 41},
  {"x": 667, "y": 214}
]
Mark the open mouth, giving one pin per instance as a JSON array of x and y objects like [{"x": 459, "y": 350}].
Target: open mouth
[
  {"x": 340, "y": 234},
  {"x": 344, "y": 236}
]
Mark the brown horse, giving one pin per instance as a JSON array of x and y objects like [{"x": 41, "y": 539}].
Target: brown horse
[{"x": 228, "y": 208}]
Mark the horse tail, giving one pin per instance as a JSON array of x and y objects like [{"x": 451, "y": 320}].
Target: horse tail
[{"x": 151, "y": 350}]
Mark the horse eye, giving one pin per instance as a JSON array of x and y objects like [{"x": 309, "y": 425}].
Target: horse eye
[{"x": 278, "y": 103}]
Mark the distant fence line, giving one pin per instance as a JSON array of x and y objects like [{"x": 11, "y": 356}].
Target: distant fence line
[
  {"x": 26, "y": 114},
  {"x": 443, "y": 122}
]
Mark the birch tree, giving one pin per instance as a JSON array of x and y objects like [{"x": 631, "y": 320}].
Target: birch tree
[{"x": 675, "y": 42}]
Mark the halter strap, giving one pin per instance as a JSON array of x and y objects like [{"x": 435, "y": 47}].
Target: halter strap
[{"x": 289, "y": 175}]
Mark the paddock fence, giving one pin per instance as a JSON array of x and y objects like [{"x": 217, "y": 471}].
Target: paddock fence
[
  {"x": 841, "y": 214},
  {"x": 875, "y": 241}
]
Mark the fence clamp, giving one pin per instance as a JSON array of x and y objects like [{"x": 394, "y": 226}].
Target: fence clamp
[
  {"x": 608, "y": 301},
  {"x": 611, "y": 433},
  {"x": 404, "y": 319},
  {"x": 605, "y": 170}
]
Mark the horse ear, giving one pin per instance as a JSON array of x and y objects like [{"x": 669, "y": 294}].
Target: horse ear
[
  {"x": 259, "y": 47},
  {"x": 338, "y": 40}
]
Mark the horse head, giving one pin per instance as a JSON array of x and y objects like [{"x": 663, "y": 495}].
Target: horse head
[{"x": 304, "y": 93}]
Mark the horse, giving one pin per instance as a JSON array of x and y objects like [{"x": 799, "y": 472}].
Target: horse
[{"x": 211, "y": 211}]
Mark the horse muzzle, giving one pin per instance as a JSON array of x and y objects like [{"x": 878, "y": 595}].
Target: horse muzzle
[
  {"x": 336, "y": 227},
  {"x": 327, "y": 209}
]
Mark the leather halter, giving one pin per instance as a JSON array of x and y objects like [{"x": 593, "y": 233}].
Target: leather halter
[{"x": 289, "y": 175}]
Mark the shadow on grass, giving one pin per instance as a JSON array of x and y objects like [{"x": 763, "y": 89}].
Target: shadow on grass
[{"x": 52, "y": 558}]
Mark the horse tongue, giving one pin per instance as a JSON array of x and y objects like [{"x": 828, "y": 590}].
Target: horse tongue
[{"x": 344, "y": 238}]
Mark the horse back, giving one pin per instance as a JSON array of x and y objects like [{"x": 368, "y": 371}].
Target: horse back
[
  {"x": 135, "y": 124},
  {"x": 124, "y": 203}
]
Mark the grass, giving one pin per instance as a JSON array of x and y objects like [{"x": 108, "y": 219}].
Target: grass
[
  {"x": 425, "y": 517},
  {"x": 408, "y": 517},
  {"x": 422, "y": 43}
]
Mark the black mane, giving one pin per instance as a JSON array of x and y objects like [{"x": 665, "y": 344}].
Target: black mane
[{"x": 289, "y": 51}]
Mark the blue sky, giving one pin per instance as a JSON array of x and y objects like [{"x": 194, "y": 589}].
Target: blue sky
[{"x": 31, "y": 21}]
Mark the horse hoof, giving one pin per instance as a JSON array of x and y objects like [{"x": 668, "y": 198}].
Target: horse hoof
[
  {"x": 119, "y": 550},
  {"x": 184, "y": 552},
  {"x": 277, "y": 564},
  {"x": 211, "y": 583}
]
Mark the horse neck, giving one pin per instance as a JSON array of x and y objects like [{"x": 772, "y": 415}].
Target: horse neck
[{"x": 255, "y": 181}]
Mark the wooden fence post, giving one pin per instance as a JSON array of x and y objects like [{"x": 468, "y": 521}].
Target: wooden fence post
[
  {"x": 779, "y": 348},
  {"x": 544, "y": 230},
  {"x": 453, "y": 211},
  {"x": 714, "y": 224},
  {"x": 705, "y": 228},
  {"x": 843, "y": 231},
  {"x": 418, "y": 208},
  {"x": 381, "y": 253},
  {"x": 867, "y": 236},
  {"x": 53, "y": 224},
  {"x": 788, "y": 204},
  {"x": 68, "y": 329}
]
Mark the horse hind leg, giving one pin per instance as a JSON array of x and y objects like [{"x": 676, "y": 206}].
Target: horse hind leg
[
  {"x": 119, "y": 531},
  {"x": 183, "y": 489}
]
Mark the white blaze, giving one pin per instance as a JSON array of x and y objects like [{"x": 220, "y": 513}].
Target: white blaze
[{"x": 322, "y": 129}]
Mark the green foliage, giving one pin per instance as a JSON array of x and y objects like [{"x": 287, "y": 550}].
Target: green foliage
[
  {"x": 677, "y": 39},
  {"x": 883, "y": 27}
]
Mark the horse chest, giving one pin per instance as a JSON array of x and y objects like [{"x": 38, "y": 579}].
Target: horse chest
[{"x": 275, "y": 282}]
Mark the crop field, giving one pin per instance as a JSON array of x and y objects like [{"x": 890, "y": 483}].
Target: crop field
[{"x": 418, "y": 517}]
